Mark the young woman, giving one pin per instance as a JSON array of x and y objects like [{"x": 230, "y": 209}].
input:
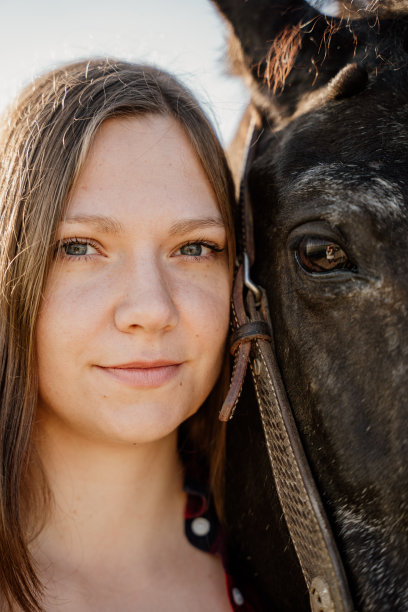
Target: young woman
[{"x": 117, "y": 251}]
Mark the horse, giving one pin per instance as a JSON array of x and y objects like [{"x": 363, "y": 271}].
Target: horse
[{"x": 328, "y": 183}]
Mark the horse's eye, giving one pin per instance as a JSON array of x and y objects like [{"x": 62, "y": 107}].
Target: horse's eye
[{"x": 321, "y": 256}]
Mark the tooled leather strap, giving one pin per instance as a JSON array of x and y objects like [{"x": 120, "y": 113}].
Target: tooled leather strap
[{"x": 304, "y": 513}]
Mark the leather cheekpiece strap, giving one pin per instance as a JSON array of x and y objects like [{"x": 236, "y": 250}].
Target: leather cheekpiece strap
[
  {"x": 302, "y": 507},
  {"x": 241, "y": 350},
  {"x": 250, "y": 331}
]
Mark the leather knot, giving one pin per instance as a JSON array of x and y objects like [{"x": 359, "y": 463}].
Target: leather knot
[{"x": 248, "y": 332}]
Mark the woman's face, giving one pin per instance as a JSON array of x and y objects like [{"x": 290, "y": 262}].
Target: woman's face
[{"x": 131, "y": 332}]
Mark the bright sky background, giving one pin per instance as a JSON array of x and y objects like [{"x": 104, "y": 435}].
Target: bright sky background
[{"x": 187, "y": 37}]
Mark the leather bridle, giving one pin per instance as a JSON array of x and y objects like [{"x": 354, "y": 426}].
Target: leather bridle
[{"x": 252, "y": 343}]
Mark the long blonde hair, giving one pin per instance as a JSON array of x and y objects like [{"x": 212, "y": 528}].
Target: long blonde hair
[{"x": 44, "y": 140}]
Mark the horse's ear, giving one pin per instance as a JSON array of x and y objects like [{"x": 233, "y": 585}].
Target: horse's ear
[
  {"x": 259, "y": 23},
  {"x": 290, "y": 50}
]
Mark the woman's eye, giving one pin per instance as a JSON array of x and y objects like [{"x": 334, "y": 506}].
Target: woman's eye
[
  {"x": 76, "y": 248},
  {"x": 198, "y": 249},
  {"x": 195, "y": 249},
  {"x": 320, "y": 255}
]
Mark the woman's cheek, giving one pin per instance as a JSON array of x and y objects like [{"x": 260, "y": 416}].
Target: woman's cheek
[
  {"x": 206, "y": 302},
  {"x": 68, "y": 312}
]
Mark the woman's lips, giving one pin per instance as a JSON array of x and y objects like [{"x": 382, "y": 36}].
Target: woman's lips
[{"x": 143, "y": 375}]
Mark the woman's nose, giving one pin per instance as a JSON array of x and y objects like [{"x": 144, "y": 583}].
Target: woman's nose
[{"x": 145, "y": 300}]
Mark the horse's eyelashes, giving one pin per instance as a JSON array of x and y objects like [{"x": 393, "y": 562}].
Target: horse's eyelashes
[{"x": 318, "y": 255}]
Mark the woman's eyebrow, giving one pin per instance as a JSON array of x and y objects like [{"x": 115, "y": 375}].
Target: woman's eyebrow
[
  {"x": 101, "y": 223},
  {"x": 110, "y": 225},
  {"x": 186, "y": 225}
]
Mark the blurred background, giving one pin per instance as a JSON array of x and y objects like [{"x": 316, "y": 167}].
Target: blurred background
[{"x": 187, "y": 37}]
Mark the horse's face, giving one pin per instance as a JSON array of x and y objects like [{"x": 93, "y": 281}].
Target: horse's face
[
  {"x": 329, "y": 188},
  {"x": 330, "y": 197}
]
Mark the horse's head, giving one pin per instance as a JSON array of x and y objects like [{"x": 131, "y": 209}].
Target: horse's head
[{"x": 329, "y": 186}]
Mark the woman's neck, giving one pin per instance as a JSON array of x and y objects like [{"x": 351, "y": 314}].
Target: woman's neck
[{"x": 118, "y": 498}]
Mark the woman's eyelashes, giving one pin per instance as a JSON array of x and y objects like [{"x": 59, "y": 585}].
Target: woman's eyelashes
[
  {"x": 77, "y": 248},
  {"x": 199, "y": 250},
  {"x": 85, "y": 248}
]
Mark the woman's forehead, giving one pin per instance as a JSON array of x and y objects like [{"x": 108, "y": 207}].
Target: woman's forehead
[{"x": 144, "y": 166}]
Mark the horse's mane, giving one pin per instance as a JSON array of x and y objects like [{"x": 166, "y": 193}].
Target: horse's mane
[
  {"x": 282, "y": 53},
  {"x": 281, "y": 57},
  {"x": 275, "y": 66}
]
